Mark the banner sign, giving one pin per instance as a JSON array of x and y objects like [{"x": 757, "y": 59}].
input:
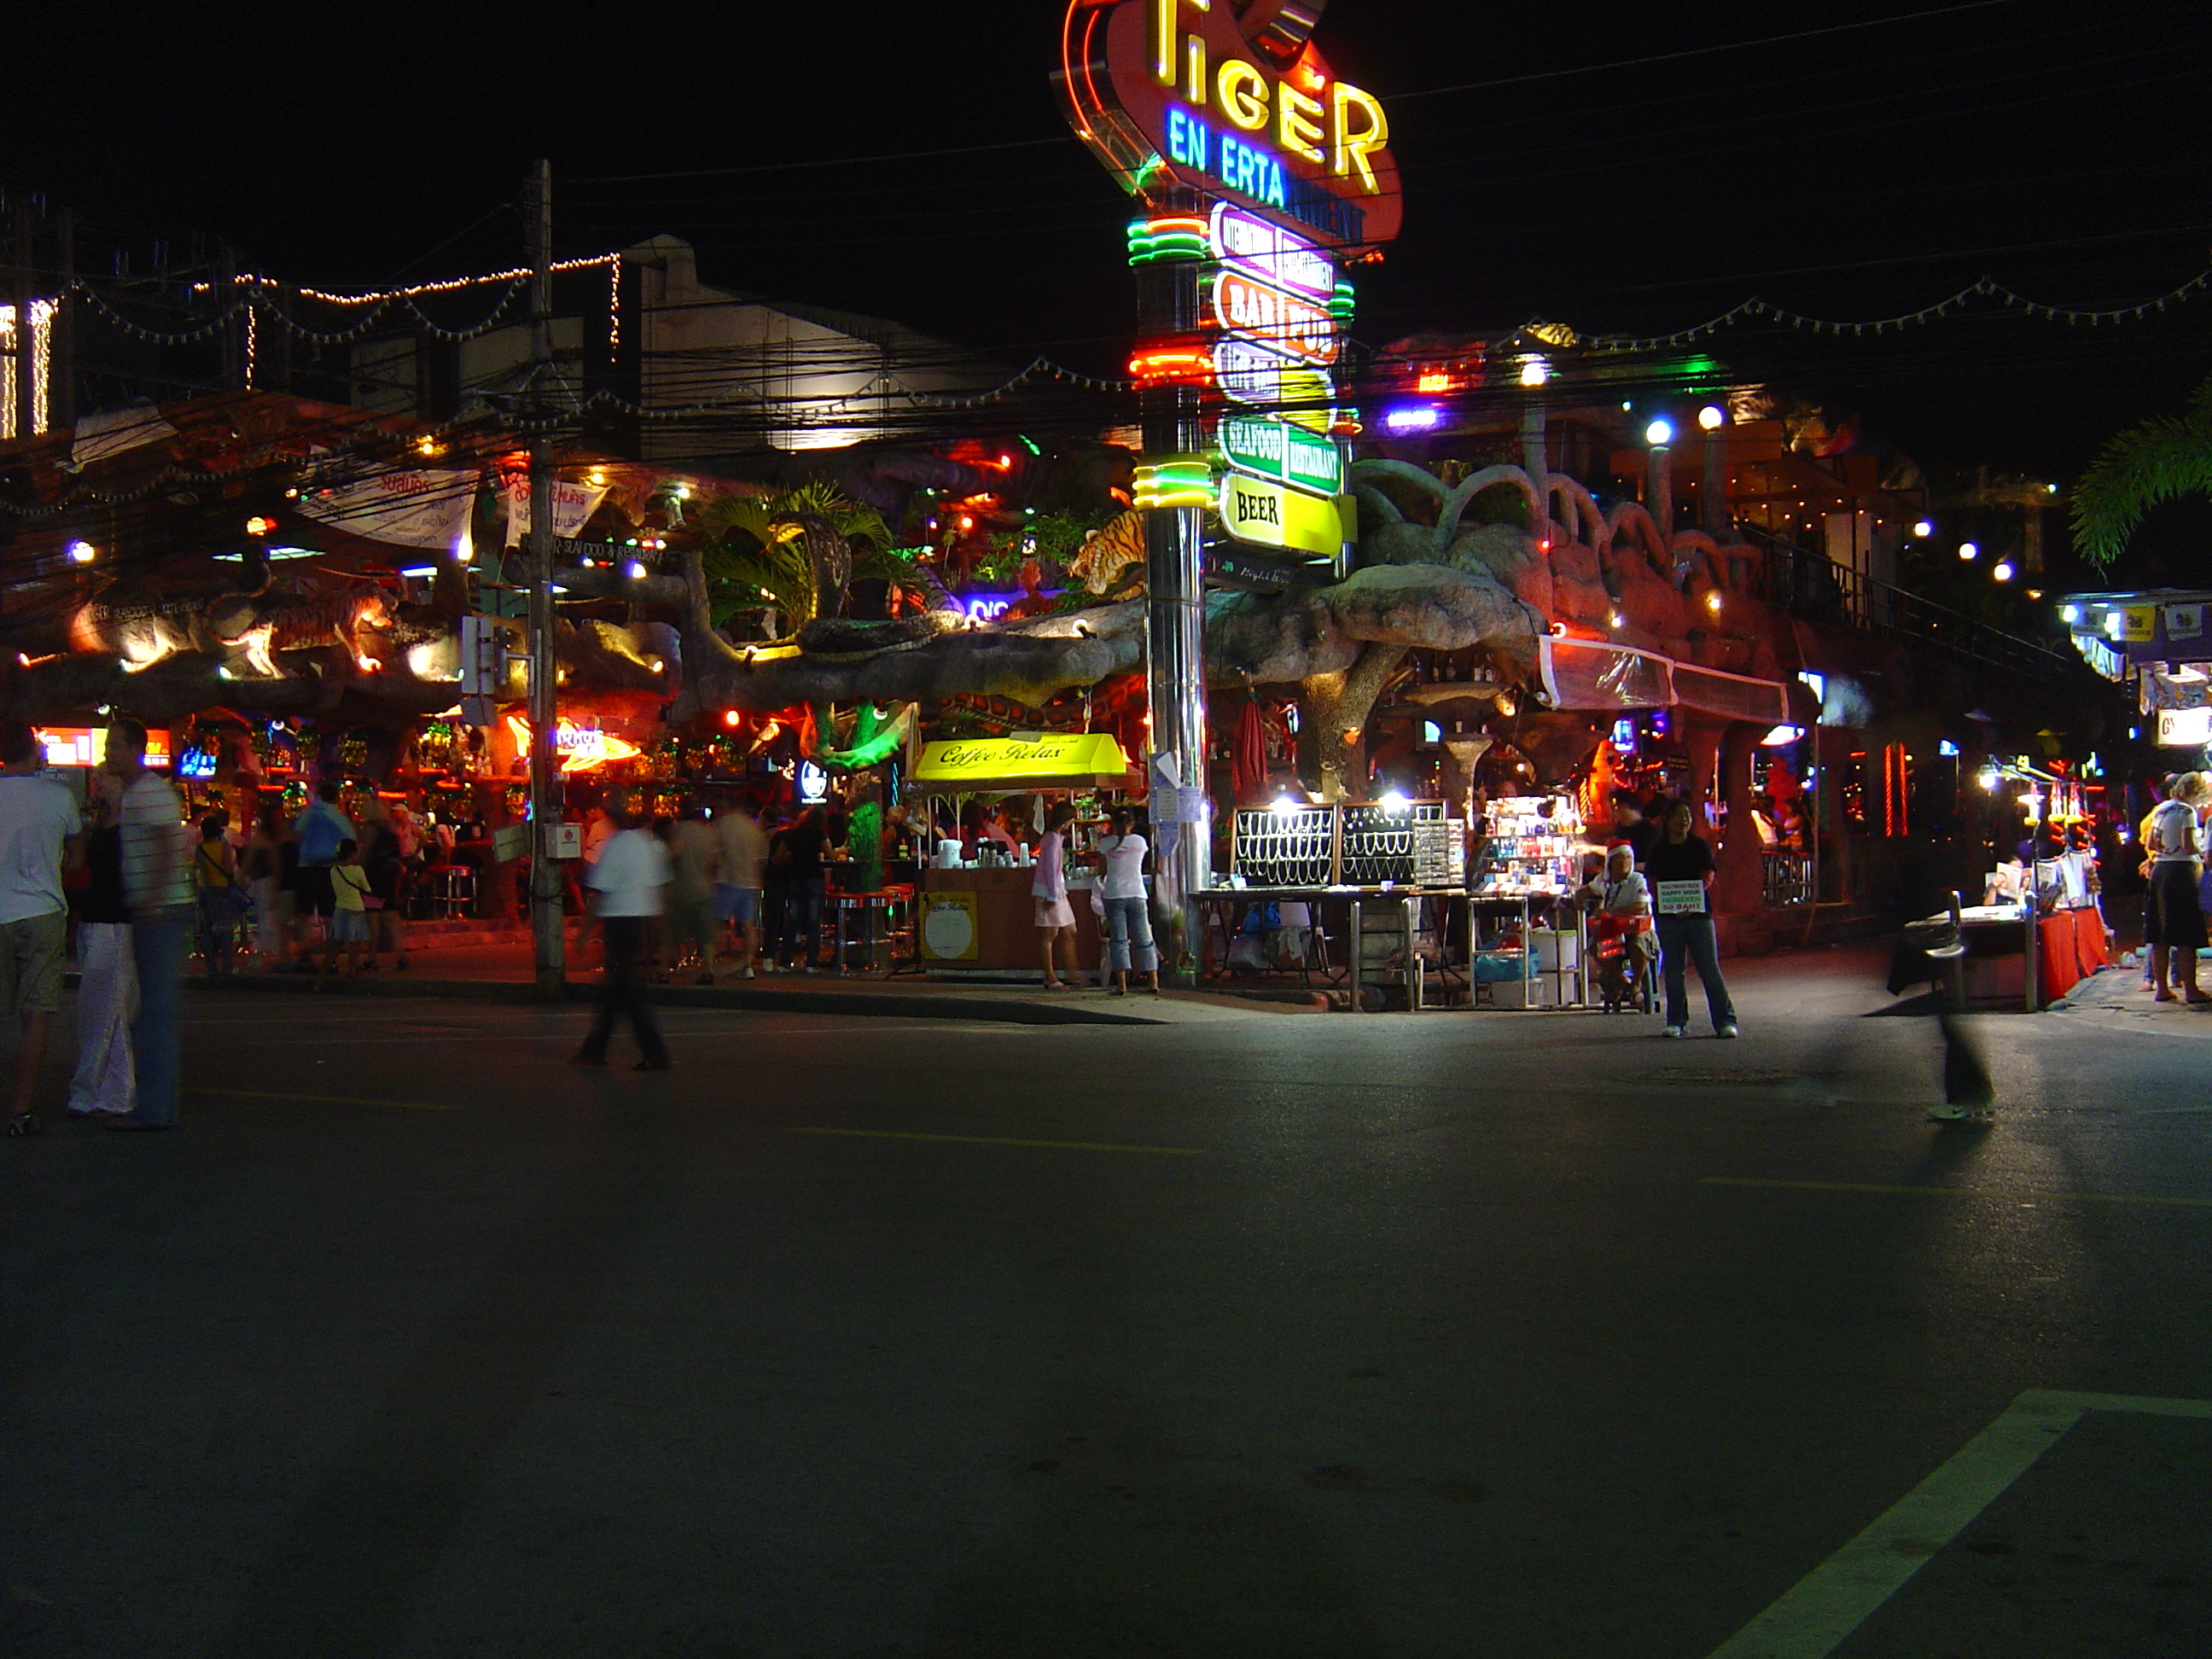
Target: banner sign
[
  {"x": 1233, "y": 102},
  {"x": 573, "y": 507},
  {"x": 1268, "y": 515},
  {"x": 1286, "y": 454},
  {"x": 1681, "y": 898},
  {"x": 2184, "y": 728},
  {"x": 417, "y": 508},
  {"x": 2185, "y": 622}
]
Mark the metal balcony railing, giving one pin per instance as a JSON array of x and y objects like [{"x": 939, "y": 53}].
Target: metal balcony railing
[{"x": 1808, "y": 583}]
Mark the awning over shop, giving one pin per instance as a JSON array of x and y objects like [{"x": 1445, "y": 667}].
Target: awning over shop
[
  {"x": 1052, "y": 759},
  {"x": 1594, "y": 674}
]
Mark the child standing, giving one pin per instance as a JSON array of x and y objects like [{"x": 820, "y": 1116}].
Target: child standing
[{"x": 349, "y": 921}]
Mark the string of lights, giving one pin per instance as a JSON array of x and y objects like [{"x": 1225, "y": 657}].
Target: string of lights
[
  {"x": 256, "y": 297},
  {"x": 1985, "y": 288}
]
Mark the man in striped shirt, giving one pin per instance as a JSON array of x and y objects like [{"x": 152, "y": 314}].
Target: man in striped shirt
[{"x": 157, "y": 884}]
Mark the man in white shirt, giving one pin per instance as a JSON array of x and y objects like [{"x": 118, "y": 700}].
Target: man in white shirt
[
  {"x": 630, "y": 879},
  {"x": 40, "y": 833}
]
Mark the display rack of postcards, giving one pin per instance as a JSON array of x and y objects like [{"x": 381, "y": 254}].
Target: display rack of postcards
[
  {"x": 1527, "y": 867},
  {"x": 1530, "y": 848}
]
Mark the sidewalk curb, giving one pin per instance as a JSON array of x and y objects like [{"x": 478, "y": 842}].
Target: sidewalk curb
[{"x": 881, "y": 1005}]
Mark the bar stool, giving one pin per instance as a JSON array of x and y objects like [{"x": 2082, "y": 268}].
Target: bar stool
[
  {"x": 455, "y": 885},
  {"x": 871, "y": 912},
  {"x": 898, "y": 919}
]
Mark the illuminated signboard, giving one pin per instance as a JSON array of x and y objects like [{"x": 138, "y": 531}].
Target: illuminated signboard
[
  {"x": 1249, "y": 245},
  {"x": 1230, "y": 102},
  {"x": 1251, "y": 373},
  {"x": 1284, "y": 454},
  {"x": 78, "y": 746},
  {"x": 1058, "y": 755},
  {"x": 1287, "y": 323},
  {"x": 1267, "y": 515}
]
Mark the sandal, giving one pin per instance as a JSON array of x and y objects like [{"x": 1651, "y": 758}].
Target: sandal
[{"x": 23, "y": 1123}]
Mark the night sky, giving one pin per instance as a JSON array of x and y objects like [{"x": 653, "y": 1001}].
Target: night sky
[{"x": 1853, "y": 174}]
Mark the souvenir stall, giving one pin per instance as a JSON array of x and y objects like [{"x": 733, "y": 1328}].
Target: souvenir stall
[
  {"x": 975, "y": 914},
  {"x": 1378, "y": 877}
]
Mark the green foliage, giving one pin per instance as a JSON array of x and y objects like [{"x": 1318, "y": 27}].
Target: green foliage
[
  {"x": 753, "y": 557},
  {"x": 1053, "y": 538},
  {"x": 2158, "y": 461}
]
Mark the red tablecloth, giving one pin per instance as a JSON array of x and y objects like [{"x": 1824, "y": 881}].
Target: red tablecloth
[{"x": 2070, "y": 946}]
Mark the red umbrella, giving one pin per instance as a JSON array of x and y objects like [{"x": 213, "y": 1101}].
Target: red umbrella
[{"x": 1248, "y": 762}]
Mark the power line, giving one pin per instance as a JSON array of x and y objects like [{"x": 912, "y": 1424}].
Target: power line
[{"x": 1694, "y": 51}]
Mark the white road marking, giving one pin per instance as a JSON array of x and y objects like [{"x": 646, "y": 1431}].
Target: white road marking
[{"x": 1812, "y": 1619}]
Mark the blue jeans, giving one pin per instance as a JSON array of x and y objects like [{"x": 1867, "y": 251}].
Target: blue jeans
[
  {"x": 1129, "y": 935},
  {"x": 157, "y": 948},
  {"x": 1682, "y": 940}
]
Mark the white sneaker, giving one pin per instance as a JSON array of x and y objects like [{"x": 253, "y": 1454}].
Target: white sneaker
[
  {"x": 744, "y": 973},
  {"x": 1675, "y": 1031},
  {"x": 1725, "y": 1031}
]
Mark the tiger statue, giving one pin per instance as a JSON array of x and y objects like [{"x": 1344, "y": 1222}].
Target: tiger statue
[{"x": 1106, "y": 555}]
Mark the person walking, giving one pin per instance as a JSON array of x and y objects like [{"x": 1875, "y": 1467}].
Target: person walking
[
  {"x": 1055, "y": 917},
  {"x": 319, "y": 829},
  {"x": 630, "y": 879},
  {"x": 741, "y": 858},
  {"x": 694, "y": 855},
  {"x": 40, "y": 833},
  {"x": 1128, "y": 912},
  {"x": 215, "y": 890},
  {"x": 383, "y": 856},
  {"x": 2173, "y": 919},
  {"x": 105, "y": 1082},
  {"x": 1681, "y": 870},
  {"x": 261, "y": 867},
  {"x": 157, "y": 882}
]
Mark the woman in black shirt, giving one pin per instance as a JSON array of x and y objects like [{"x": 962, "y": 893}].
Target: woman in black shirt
[{"x": 1683, "y": 862}]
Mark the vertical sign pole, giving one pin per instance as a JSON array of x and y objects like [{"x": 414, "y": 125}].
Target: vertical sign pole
[
  {"x": 549, "y": 947},
  {"x": 1168, "y": 306}
]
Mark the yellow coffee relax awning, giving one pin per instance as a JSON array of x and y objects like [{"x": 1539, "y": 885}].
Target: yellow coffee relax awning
[{"x": 1053, "y": 758}]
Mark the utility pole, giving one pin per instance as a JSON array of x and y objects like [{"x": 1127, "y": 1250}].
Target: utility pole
[
  {"x": 545, "y": 806},
  {"x": 1168, "y": 307}
]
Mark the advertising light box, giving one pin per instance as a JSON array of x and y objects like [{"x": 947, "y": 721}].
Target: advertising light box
[
  {"x": 1268, "y": 515},
  {"x": 1283, "y": 453}
]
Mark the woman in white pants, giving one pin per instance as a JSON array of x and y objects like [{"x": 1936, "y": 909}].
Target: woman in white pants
[
  {"x": 107, "y": 1080},
  {"x": 1128, "y": 913}
]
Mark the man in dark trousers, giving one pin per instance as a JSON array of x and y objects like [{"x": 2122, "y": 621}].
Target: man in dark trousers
[{"x": 630, "y": 880}]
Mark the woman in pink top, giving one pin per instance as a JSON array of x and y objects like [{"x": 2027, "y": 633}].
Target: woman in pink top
[{"x": 1055, "y": 917}]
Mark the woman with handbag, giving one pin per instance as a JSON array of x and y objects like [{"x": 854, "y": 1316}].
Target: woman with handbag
[{"x": 221, "y": 899}]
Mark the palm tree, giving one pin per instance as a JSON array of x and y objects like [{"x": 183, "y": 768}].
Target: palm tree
[
  {"x": 2154, "y": 462},
  {"x": 794, "y": 551}
]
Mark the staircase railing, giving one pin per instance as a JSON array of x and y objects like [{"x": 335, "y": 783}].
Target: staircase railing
[{"x": 1809, "y": 584}]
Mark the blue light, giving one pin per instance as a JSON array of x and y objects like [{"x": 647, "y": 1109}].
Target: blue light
[
  {"x": 1947, "y": 747},
  {"x": 1412, "y": 417}
]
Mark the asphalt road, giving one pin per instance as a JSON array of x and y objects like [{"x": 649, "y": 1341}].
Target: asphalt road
[{"x": 1272, "y": 1334}]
